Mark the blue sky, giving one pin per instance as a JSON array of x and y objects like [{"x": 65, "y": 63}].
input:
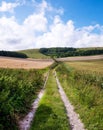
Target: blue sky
[
  {"x": 82, "y": 12},
  {"x": 28, "y": 24}
]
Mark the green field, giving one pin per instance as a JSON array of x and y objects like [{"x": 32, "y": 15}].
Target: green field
[
  {"x": 51, "y": 114},
  {"x": 34, "y": 53},
  {"x": 83, "y": 84}
]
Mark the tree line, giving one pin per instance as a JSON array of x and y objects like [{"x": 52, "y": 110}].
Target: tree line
[
  {"x": 65, "y": 52},
  {"x": 13, "y": 54}
]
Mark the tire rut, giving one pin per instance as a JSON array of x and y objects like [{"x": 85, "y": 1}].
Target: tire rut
[
  {"x": 73, "y": 117},
  {"x": 26, "y": 122}
]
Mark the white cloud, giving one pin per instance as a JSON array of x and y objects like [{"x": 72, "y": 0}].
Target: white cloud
[
  {"x": 36, "y": 22},
  {"x": 8, "y": 7},
  {"x": 60, "y": 34},
  {"x": 65, "y": 34},
  {"x": 38, "y": 31},
  {"x": 14, "y": 36}
]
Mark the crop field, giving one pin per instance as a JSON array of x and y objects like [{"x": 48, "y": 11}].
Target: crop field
[
  {"x": 91, "y": 66},
  {"x": 81, "y": 58},
  {"x": 24, "y": 63}
]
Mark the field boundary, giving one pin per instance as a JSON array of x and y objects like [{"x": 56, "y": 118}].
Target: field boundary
[{"x": 25, "y": 59}]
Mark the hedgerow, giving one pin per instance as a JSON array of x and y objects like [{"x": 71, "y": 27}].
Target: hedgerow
[{"x": 18, "y": 89}]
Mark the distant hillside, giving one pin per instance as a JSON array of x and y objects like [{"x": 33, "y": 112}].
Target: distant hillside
[
  {"x": 66, "y": 51},
  {"x": 34, "y": 53},
  {"x": 13, "y": 54}
]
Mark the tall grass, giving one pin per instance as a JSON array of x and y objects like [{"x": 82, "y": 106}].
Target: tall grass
[
  {"x": 18, "y": 88},
  {"x": 84, "y": 89}
]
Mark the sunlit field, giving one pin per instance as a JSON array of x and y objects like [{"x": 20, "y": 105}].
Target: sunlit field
[{"x": 91, "y": 66}]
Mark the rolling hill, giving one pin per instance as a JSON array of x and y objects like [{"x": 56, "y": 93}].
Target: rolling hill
[{"x": 34, "y": 53}]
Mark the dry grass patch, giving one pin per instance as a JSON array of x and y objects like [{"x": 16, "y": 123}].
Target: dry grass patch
[{"x": 91, "y": 66}]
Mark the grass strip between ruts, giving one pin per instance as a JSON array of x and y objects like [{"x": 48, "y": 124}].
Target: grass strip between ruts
[{"x": 51, "y": 114}]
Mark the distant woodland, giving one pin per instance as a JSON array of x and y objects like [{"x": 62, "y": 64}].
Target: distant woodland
[
  {"x": 13, "y": 54},
  {"x": 66, "y": 52},
  {"x": 56, "y": 52}
]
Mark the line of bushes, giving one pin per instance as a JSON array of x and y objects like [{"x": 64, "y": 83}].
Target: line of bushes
[
  {"x": 13, "y": 54},
  {"x": 18, "y": 89},
  {"x": 66, "y": 51}
]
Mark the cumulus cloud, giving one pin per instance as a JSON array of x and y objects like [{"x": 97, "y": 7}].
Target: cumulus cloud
[
  {"x": 8, "y": 7},
  {"x": 66, "y": 35},
  {"x": 36, "y": 22},
  {"x": 37, "y": 30}
]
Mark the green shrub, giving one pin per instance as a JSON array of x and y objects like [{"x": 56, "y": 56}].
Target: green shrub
[{"x": 18, "y": 88}]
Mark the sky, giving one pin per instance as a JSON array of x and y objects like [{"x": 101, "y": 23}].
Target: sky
[{"x": 26, "y": 24}]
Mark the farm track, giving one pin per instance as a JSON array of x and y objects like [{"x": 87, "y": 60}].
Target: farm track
[
  {"x": 51, "y": 114},
  {"x": 26, "y": 122},
  {"x": 73, "y": 117}
]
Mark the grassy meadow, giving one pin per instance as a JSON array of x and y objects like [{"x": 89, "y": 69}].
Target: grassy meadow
[
  {"x": 34, "y": 53},
  {"x": 83, "y": 84},
  {"x": 51, "y": 114}
]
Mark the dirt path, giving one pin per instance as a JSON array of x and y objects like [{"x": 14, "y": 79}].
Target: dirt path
[
  {"x": 26, "y": 122},
  {"x": 73, "y": 117}
]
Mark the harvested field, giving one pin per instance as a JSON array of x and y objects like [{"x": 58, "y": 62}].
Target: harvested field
[
  {"x": 81, "y": 58},
  {"x": 18, "y": 63}
]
